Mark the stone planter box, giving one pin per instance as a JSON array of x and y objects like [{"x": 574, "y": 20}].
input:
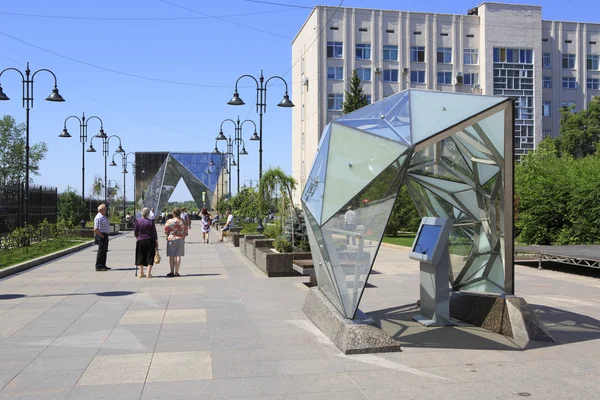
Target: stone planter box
[
  {"x": 275, "y": 264},
  {"x": 254, "y": 243},
  {"x": 246, "y": 239},
  {"x": 236, "y": 237},
  {"x": 242, "y": 242}
]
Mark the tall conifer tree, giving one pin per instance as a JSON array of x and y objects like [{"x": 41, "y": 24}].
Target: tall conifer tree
[{"x": 355, "y": 98}]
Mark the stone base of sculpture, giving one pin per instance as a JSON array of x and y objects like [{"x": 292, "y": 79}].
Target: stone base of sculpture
[
  {"x": 510, "y": 316},
  {"x": 358, "y": 336}
]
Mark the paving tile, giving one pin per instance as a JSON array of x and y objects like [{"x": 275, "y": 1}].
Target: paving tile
[
  {"x": 180, "y": 366},
  {"x": 324, "y": 382},
  {"x": 258, "y": 387},
  {"x": 185, "y": 390},
  {"x": 115, "y": 369},
  {"x": 142, "y": 317},
  {"x": 341, "y": 395},
  {"x": 37, "y": 394},
  {"x": 126, "y": 391},
  {"x": 28, "y": 381},
  {"x": 223, "y": 368},
  {"x": 184, "y": 316},
  {"x": 42, "y": 364},
  {"x": 128, "y": 347},
  {"x": 166, "y": 346}
]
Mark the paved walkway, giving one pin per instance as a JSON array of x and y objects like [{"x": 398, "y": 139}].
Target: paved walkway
[{"x": 223, "y": 330}]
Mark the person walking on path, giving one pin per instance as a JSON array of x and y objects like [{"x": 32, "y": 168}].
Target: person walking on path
[
  {"x": 350, "y": 224},
  {"x": 205, "y": 224},
  {"x": 101, "y": 229},
  {"x": 228, "y": 224},
  {"x": 146, "y": 243},
  {"x": 176, "y": 231}
]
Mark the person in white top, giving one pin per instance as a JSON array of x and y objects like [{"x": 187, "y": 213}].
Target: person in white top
[
  {"x": 350, "y": 224},
  {"x": 228, "y": 224},
  {"x": 152, "y": 215}
]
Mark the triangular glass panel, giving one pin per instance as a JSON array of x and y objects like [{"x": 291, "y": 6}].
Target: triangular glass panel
[
  {"x": 469, "y": 199},
  {"x": 496, "y": 273},
  {"x": 445, "y": 185},
  {"x": 353, "y": 235},
  {"x": 486, "y": 172},
  {"x": 358, "y": 158},
  {"x": 321, "y": 262},
  {"x": 312, "y": 197},
  {"x": 493, "y": 126},
  {"x": 460, "y": 245},
  {"x": 453, "y": 157},
  {"x": 432, "y": 112}
]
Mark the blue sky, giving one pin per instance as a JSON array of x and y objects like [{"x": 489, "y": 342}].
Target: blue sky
[{"x": 201, "y": 47}]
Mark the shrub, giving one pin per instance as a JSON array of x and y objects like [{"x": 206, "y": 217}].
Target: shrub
[
  {"x": 303, "y": 245},
  {"x": 249, "y": 228},
  {"x": 283, "y": 245},
  {"x": 272, "y": 231}
]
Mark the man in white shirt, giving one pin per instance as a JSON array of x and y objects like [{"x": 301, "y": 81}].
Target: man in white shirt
[
  {"x": 152, "y": 215},
  {"x": 350, "y": 224},
  {"x": 228, "y": 224},
  {"x": 101, "y": 229}
]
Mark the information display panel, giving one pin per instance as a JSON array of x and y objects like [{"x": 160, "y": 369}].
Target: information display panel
[
  {"x": 427, "y": 239},
  {"x": 431, "y": 239}
]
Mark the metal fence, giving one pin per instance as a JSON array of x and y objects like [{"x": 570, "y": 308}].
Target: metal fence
[{"x": 42, "y": 205}]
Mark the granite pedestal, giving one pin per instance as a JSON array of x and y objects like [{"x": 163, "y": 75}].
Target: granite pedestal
[
  {"x": 358, "y": 336},
  {"x": 510, "y": 316}
]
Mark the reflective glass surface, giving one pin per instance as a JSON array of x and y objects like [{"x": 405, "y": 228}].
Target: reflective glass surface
[{"x": 367, "y": 154}]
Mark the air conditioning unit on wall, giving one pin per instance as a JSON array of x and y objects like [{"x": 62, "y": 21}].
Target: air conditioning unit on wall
[
  {"x": 459, "y": 78},
  {"x": 377, "y": 70}
]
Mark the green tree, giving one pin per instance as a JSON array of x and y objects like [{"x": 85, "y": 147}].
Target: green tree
[
  {"x": 245, "y": 203},
  {"x": 69, "y": 206},
  {"x": 12, "y": 153},
  {"x": 355, "y": 98},
  {"x": 579, "y": 131},
  {"x": 274, "y": 180}
]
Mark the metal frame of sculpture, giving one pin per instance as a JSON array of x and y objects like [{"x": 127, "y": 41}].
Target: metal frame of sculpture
[
  {"x": 157, "y": 175},
  {"x": 455, "y": 154}
]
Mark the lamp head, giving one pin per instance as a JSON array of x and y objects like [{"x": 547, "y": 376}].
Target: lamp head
[
  {"x": 65, "y": 133},
  {"x": 2, "y": 95},
  {"x": 243, "y": 152},
  {"x": 91, "y": 149},
  {"x": 236, "y": 101},
  {"x": 255, "y": 136},
  {"x": 286, "y": 102},
  {"x": 101, "y": 134},
  {"x": 233, "y": 163},
  {"x": 125, "y": 171},
  {"x": 120, "y": 149},
  {"x": 207, "y": 171},
  {"x": 221, "y": 136},
  {"x": 211, "y": 163},
  {"x": 216, "y": 151},
  {"x": 55, "y": 96},
  {"x": 112, "y": 164}
]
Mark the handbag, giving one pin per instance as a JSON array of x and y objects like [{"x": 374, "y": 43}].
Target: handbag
[{"x": 157, "y": 257}]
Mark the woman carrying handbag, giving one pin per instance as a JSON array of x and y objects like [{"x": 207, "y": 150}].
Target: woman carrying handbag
[{"x": 146, "y": 245}]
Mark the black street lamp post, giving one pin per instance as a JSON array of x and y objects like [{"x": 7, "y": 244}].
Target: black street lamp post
[
  {"x": 237, "y": 140},
  {"x": 105, "y": 151},
  {"x": 27, "y": 81},
  {"x": 261, "y": 105},
  {"x": 124, "y": 163},
  {"x": 83, "y": 132}
]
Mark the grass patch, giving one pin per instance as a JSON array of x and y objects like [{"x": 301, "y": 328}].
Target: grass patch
[
  {"x": 10, "y": 257},
  {"x": 403, "y": 239}
]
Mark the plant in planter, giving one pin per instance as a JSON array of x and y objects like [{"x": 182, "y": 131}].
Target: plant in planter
[{"x": 283, "y": 245}]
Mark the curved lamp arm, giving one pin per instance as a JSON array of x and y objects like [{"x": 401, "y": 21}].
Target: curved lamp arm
[{"x": 286, "y": 88}]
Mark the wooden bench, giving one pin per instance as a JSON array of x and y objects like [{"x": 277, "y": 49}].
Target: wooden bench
[{"x": 306, "y": 268}]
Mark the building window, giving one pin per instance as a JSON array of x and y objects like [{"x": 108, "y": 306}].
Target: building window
[
  {"x": 568, "y": 61},
  {"x": 444, "y": 78},
  {"x": 390, "y": 75},
  {"x": 363, "y": 51},
  {"x": 471, "y": 35},
  {"x": 390, "y": 52},
  {"x": 547, "y": 108},
  {"x": 568, "y": 41},
  {"x": 547, "y": 133},
  {"x": 569, "y": 83},
  {"x": 546, "y": 60},
  {"x": 335, "y": 101},
  {"x": 368, "y": 98},
  {"x": 417, "y": 76},
  {"x": 593, "y": 83},
  {"x": 471, "y": 56},
  {"x": 547, "y": 82},
  {"x": 417, "y": 53},
  {"x": 364, "y": 74},
  {"x": 444, "y": 55},
  {"x": 593, "y": 62},
  {"x": 472, "y": 78},
  {"x": 520, "y": 56},
  {"x": 335, "y": 73},
  {"x": 544, "y": 39},
  {"x": 568, "y": 105},
  {"x": 334, "y": 49}
]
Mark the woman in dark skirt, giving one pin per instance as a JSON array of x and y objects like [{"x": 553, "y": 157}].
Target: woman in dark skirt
[{"x": 146, "y": 244}]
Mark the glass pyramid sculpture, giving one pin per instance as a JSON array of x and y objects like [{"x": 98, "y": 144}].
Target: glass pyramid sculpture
[
  {"x": 454, "y": 153},
  {"x": 194, "y": 169}
]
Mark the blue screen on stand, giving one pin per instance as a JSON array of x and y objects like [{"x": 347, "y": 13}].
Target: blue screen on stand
[{"x": 427, "y": 240}]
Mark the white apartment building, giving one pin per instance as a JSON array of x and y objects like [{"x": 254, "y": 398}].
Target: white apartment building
[{"x": 496, "y": 49}]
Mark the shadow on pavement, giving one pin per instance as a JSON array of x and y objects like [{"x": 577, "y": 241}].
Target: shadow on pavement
[
  {"x": 102, "y": 294},
  {"x": 565, "y": 326}
]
